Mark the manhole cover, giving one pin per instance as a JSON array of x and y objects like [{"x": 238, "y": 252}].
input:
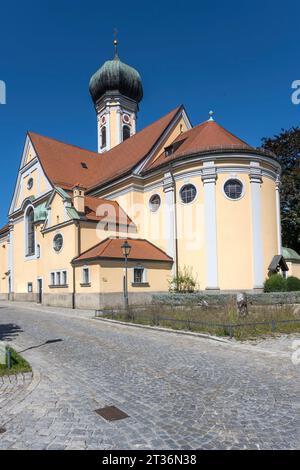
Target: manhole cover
[
  {"x": 111, "y": 413},
  {"x": 2, "y": 430}
]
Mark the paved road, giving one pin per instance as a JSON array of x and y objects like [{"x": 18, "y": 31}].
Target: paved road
[{"x": 180, "y": 392}]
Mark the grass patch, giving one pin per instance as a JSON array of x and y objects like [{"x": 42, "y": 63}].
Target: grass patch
[
  {"x": 18, "y": 364},
  {"x": 264, "y": 320}
]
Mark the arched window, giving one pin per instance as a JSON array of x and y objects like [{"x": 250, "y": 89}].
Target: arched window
[
  {"x": 126, "y": 132},
  {"x": 103, "y": 137},
  {"x": 30, "y": 232}
]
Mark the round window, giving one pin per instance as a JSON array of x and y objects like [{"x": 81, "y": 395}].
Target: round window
[
  {"x": 233, "y": 189},
  {"x": 30, "y": 183},
  {"x": 154, "y": 202},
  {"x": 188, "y": 193},
  {"x": 58, "y": 242}
]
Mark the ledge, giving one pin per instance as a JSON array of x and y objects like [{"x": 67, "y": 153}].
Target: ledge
[
  {"x": 85, "y": 284},
  {"x": 58, "y": 286},
  {"x": 140, "y": 284}
]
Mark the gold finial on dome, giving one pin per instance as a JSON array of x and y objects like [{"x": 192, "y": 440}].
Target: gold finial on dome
[{"x": 116, "y": 43}]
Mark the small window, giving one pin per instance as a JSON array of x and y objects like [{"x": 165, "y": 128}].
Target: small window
[
  {"x": 38, "y": 251},
  {"x": 103, "y": 137},
  {"x": 29, "y": 287},
  {"x": 85, "y": 275},
  {"x": 52, "y": 279},
  {"x": 188, "y": 193},
  {"x": 84, "y": 165},
  {"x": 64, "y": 278},
  {"x": 58, "y": 278},
  {"x": 233, "y": 189},
  {"x": 126, "y": 132},
  {"x": 57, "y": 242},
  {"x": 30, "y": 183},
  {"x": 138, "y": 275},
  {"x": 154, "y": 202}
]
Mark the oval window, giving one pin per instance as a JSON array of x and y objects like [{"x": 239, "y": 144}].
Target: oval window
[
  {"x": 58, "y": 242},
  {"x": 233, "y": 189},
  {"x": 188, "y": 193},
  {"x": 154, "y": 202},
  {"x": 30, "y": 183}
]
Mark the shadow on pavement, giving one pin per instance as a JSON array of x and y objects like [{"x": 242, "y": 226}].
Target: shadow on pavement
[
  {"x": 9, "y": 331},
  {"x": 50, "y": 341}
]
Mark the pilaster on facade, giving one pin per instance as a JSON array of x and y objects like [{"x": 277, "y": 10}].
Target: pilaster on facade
[
  {"x": 169, "y": 190},
  {"x": 209, "y": 178},
  {"x": 255, "y": 176},
  {"x": 11, "y": 258},
  {"x": 278, "y": 218}
]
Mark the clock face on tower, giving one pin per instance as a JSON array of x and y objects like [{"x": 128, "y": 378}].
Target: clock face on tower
[{"x": 126, "y": 118}]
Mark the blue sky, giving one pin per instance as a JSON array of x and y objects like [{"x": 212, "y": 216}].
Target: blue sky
[{"x": 237, "y": 58}]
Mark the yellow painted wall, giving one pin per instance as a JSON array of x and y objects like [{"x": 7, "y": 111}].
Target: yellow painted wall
[
  {"x": 58, "y": 212},
  {"x": 4, "y": 247},
  {"x": 234, "y": 236},
  {"x": 112, "y": 273}
]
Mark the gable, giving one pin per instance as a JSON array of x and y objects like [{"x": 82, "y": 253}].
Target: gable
[{"x": 31, "y": 180}]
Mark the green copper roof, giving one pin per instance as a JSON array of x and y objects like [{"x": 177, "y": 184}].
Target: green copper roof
[
  {"x": 289, "y": 253},
  {"x": 63, "y": 193},
  {"x": 40, "y": 212},
  {"x": 72, "y": 213},
  {"x": 114, "y": 75}
]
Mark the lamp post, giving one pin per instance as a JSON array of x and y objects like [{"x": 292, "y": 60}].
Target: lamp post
[{"x": 126, "y": 248}]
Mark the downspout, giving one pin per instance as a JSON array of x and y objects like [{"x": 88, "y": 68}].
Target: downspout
[
  {"x": 175, "y": 226},
  {"x": 74, "y": 272}
]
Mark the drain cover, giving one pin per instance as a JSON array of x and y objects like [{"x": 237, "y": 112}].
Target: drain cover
[
  {"x": 2, "y": 430},
  {"x": 111, "y": 413}
]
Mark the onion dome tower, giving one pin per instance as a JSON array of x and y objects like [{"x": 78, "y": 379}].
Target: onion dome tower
[{"x": 116, "y": 90}]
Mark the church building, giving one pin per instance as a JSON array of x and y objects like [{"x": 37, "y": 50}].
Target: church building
[{"x": 185, "y": 198}]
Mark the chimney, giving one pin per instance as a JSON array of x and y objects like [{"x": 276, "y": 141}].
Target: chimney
[{"x": 78, "y": 198}]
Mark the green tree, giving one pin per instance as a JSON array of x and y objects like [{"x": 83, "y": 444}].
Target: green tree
[{"x": 286, "y": 147}]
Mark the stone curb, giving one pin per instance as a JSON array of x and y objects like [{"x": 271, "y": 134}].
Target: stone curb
[
  {"x": 163, "y": 329},
  {"x": 240, "y": 346}
]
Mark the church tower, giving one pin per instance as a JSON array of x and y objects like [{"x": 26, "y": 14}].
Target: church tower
[{"x": 116, "y": 90}]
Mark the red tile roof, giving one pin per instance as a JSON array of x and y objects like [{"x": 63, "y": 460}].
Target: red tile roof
[
  {"x": 62, "y": 162},
  {"x": 98, "y": 209},
  {"x": 206, "y": 136},
  {"x": 111, "y": 248}
]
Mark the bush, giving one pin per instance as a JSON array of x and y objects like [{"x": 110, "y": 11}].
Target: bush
[
  {"x": 293, "y": 283},
  {"x": 185, "y": 281},
  {"x": 275, "y": 283}
]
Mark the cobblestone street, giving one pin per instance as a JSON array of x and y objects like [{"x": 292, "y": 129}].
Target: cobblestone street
[{"x": 180, "y": 392}]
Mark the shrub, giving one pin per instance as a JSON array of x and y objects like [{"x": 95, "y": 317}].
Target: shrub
[
  {"x": 293, "y": 283},
  {"x": 275, "y": 283},
  {"x": 185, "y": 281}
]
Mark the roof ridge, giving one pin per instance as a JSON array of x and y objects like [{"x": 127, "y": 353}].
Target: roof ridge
[{"x": 30, "y": 133}]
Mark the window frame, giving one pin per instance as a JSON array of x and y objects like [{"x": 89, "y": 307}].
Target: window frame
[
  {"x": 181, "y": 190},
  {"x": 29, "y": 235},
  {"x": 144, "y": 281},
  {"x": 127, "y": 127},
  {"x": 53, "y": 242},
  {"x": 103, "y": 136},
  {"x": 85, "y": 282},
  {"x": 150, "y": 203},
  {"x": 234, "y": 178},
  {"x": 60, "y": 275}
]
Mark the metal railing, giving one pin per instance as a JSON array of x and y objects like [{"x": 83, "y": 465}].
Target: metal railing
[{"x": 156, "y": 319}]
